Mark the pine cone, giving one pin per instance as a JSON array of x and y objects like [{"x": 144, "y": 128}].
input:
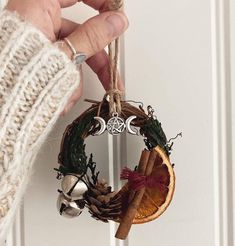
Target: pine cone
[{"x": 103, "y": 204}]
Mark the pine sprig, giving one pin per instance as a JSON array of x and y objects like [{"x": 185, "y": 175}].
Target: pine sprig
[{"x": 154, "y": 135}]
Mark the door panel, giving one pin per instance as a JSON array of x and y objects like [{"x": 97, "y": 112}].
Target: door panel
[{"x": 172, "y": 72}]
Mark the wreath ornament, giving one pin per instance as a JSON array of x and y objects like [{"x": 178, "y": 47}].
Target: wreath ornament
[
  {"x": 80, "y": 184},
  {"x": 149, "y": 187}
]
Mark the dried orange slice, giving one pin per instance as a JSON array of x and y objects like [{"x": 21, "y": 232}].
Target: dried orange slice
[{"x": 156, "y": 199}]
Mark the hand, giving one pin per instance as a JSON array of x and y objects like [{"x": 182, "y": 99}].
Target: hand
[{"x": 89, "y": 38}]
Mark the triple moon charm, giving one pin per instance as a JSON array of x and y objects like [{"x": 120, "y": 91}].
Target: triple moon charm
[{"x": 115, "y": 125}]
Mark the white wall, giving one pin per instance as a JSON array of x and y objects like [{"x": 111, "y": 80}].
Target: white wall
[{"x": 178, "y": 56}]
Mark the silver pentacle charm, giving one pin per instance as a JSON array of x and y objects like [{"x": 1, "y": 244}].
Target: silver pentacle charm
[{"x": 115, "y": 125}]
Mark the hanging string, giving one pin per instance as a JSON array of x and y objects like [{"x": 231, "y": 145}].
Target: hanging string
[{"x": 114, "y": 93}]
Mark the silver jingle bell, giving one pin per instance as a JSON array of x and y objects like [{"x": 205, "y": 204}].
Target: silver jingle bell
[
  {"x": 73, "y": 187},
  {"x": 69, "y": 209}
]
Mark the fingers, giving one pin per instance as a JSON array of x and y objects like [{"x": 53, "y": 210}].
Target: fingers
[
  {"x": 54, "y": 11},
  {"x": 96, "y": 33},
  {"x": 100, "y": 5},
  {"x": 91, "y": 38},
  {"x": 67, "y": 3},
  {"x": 67, "y": 27},
  {"x": 99, "y": 63}
]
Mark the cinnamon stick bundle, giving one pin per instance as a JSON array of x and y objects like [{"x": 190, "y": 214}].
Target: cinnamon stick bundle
[{"x": 145, "y": 167}]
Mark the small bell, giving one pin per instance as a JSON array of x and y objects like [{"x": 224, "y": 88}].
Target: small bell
[
  {"x": 68, "y": 208},
  {"x": 73, "y": 187}
]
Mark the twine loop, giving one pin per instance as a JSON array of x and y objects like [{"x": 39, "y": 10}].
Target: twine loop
[{"x": 115, "y": 95}]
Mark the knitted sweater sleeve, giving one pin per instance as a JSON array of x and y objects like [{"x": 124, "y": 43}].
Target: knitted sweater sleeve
[{"x": 36, "y": 80}]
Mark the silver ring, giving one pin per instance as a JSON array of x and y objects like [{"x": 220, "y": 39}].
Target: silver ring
[{"x": 78, "y": 57}]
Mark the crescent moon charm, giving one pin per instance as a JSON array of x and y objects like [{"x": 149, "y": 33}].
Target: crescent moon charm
[
  {"x": 128, "y": 125},
  {"x": 102, "y": 126}
]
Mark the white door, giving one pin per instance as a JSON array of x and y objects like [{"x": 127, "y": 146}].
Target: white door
[{"x": 176, "y": 56}]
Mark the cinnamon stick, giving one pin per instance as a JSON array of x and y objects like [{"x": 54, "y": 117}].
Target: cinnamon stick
[{"x": 147, "y": 163}]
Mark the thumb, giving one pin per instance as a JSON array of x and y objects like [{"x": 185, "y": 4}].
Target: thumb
[{"x": 96, "y": 33}]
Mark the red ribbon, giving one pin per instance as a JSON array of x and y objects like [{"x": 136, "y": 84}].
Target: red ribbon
[{"x": 138, "y": 181}]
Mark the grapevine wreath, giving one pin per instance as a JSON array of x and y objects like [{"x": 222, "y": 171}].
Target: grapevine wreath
[{"x": 149, "y": 187}]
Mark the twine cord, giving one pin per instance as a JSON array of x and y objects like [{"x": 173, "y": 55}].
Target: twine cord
[{"x": 114, "y": 94}]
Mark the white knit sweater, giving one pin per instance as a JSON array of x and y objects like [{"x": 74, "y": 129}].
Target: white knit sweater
[{"x": 36, "y": 80}]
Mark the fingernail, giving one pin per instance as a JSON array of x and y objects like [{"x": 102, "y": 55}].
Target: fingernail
[{"x": 117, "y": 23}]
